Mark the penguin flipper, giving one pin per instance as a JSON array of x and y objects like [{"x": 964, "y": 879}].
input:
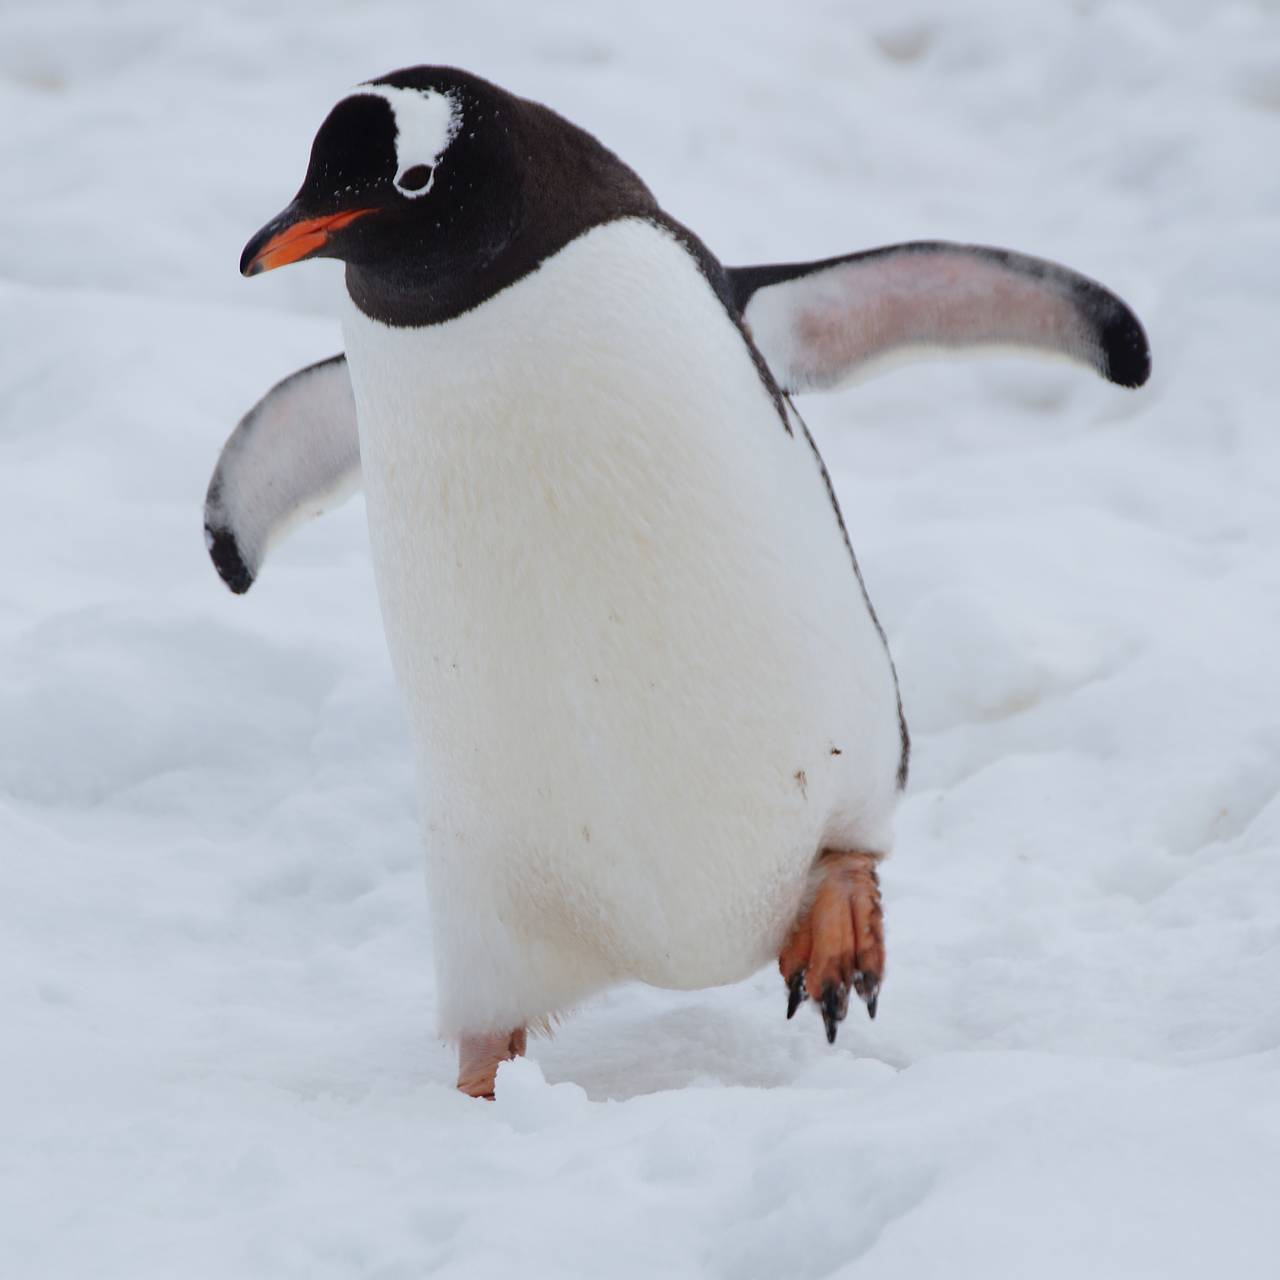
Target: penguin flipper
[
  {"x": 295, "y": 454},
  {"x": 817, "y": 324}
]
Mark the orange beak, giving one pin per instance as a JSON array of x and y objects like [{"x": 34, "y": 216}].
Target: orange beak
[{"x": 284, "y": 240}]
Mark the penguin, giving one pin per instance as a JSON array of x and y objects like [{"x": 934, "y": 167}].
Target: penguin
[{"x": 657, "y": 727}]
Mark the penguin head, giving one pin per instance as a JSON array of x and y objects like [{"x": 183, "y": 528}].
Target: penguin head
[
  {"x": 407, "y": 172},
  {"x": 438, "y": 189}
]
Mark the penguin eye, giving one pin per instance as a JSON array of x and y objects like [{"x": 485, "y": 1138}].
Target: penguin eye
[{"x": 416, "y": 178}]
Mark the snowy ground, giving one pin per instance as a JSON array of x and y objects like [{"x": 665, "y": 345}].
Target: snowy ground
[{"x": 218, "y": 1057}]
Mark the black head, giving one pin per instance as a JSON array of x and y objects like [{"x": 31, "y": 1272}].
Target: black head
[{"x": 438, "y": 189}]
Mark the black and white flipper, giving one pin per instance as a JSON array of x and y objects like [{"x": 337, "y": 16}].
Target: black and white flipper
[
  {"x": 294, "y": 455},
  {"x": 819, "y": 324}
]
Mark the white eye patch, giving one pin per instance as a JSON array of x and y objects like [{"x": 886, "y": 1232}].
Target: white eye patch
[{"x": 426, "y": 122}]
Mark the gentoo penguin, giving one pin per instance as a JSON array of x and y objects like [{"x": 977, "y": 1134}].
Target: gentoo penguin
[{"x": 657, "y": 726}]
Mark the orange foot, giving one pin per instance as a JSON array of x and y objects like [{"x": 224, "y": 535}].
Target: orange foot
[
  {"x": 480, "y": 1056},
  {"x": 838, "y": 941}
]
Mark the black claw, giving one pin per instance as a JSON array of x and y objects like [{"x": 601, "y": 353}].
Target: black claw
[
  {"x": 795, "y": 993},
  {"x": 867, "y": 985},
  {"x": 835, "y": 1001}
]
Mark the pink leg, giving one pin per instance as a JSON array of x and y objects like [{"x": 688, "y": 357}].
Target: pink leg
[
  {"x": 480, "y": 1056},
  {"x": 838, "y": 941}
]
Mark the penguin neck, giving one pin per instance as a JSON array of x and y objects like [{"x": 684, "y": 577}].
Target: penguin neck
[{"x": 431, "y": 289}]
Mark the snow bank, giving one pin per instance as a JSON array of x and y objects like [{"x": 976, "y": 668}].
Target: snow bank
[{"x": 214, "y": 958}]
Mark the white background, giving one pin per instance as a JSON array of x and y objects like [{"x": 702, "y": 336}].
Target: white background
[{"x": 217, "y": 1055}]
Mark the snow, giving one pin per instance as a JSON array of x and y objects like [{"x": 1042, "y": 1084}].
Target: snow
[{"x": 219, "y": 1056}]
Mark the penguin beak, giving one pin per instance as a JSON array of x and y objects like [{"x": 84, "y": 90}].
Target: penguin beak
[{"x": 290, "y": 237}]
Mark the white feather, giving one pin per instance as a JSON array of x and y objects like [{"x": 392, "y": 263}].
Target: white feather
[
  {"x": 642, "y": 678},
  {"x": 293, "y": 456},
  {"x": 426, "y": 122}
]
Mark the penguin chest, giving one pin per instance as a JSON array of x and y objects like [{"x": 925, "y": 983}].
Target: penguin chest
[{"x": 640, "y": 672}]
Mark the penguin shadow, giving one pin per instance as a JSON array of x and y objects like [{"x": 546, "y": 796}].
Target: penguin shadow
[
  {"x": 612, "y": 1058},
  {"x": 615, "y": 1056}
]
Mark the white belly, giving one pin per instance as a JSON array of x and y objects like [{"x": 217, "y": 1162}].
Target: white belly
[{"x": 642, "y": 679}]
